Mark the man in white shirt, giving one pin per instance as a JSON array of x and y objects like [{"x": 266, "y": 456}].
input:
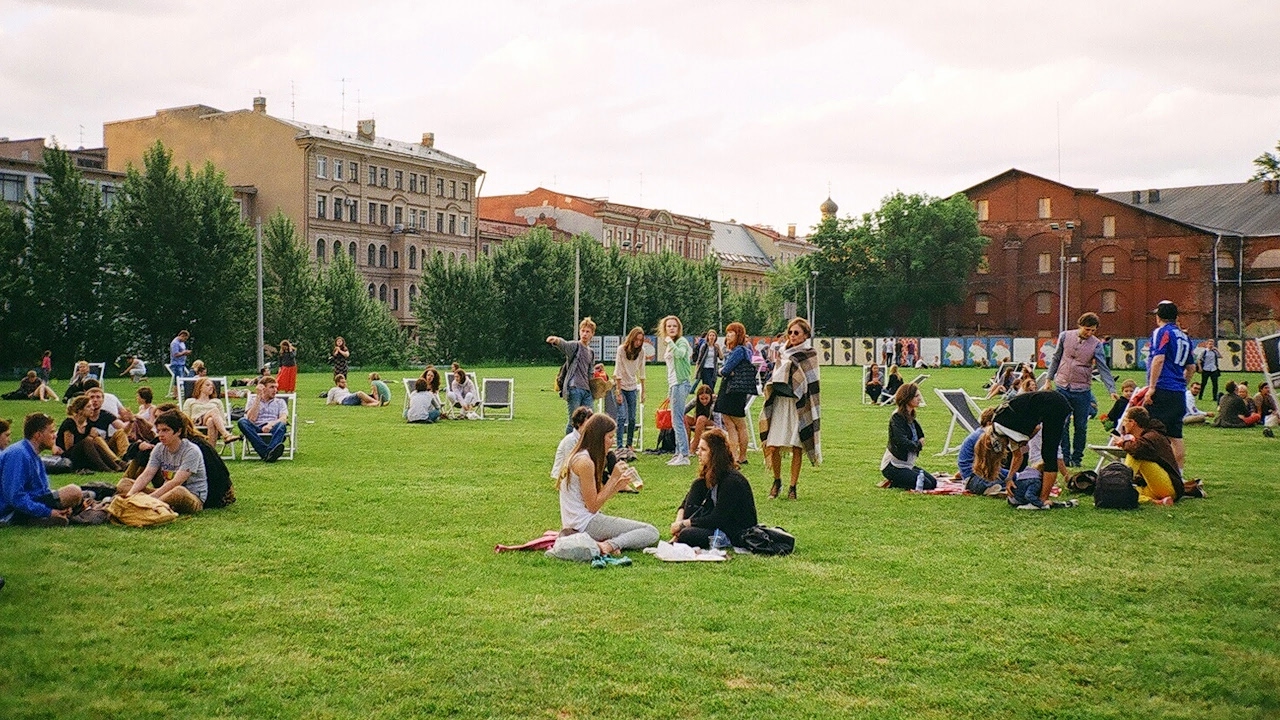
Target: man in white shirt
[{"x": 1194, "y": 414}]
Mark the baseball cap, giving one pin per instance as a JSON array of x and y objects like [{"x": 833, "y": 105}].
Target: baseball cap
[{"x": 1166, "y": 310}]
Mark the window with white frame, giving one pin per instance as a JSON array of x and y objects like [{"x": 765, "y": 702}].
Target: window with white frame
[
  {"x": 1046, "y": 263},
  {"x": 322, "y": 204},
  {"x": 337, "y": 208},
  {"x": 1175, "y": 263},
  {"x": 466, "y": 192},
  {"x": 337, "y": 169},
  {"x": 1108, "y": 226},
  {"x": 355, "y": 172},
  {"x": 1045, "y": 208},
  {"x": 1108, "y": 264},
  {"x": 466, "y": 224},
  {"x": 399, "y": 179},
  {"x": 984, "y": 210},
  {"x": 322, "y": 166},
  {"x": 1108, "y": 301},
  {"x": 382, "y": 177},
  {"x": 373, "y": 175}
]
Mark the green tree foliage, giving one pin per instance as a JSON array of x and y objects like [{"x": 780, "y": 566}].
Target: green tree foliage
[
  {"x": 892, "y": 270},
  {"x": 464, "y": 302},
  {"x": 751, "y": 308},
  {"x": 292, "y": 303},
  {"x": 15, "y": 292},
  {"x": 66, "y": 306},
  {"x": 371, "y": 332},
  {"x": 1268, "y": 165},
  {"x": 186, "y": 260}
]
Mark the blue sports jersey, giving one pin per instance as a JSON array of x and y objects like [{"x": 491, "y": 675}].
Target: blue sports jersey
[{"x": 1169, "y": 340}]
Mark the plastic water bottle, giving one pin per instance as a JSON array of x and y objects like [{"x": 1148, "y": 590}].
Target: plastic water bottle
[
  {"x": 920, "y": 481},
  {"x": 719, "y": 541}
]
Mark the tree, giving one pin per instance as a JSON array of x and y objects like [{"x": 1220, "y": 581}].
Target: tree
[
  {"x": 457, "y": 310},
  {"x": 1268, "y": 165},
  {"x": 364, "y": 322},
  {"x": 15, "y": 291},
  {"x": 292, "y": 308}
]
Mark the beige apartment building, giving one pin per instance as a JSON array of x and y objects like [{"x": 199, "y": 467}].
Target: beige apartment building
[{"x": 388, "y": 204}]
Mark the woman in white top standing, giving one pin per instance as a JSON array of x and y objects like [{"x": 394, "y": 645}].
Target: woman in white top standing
[
  {"x": 679, "y": 379},
  {"x": 629, "y": 372},
  {"x": 584, "y": 490}
]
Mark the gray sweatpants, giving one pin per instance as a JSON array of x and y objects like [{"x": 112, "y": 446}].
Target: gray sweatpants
[{"x": 621, "y": 533}]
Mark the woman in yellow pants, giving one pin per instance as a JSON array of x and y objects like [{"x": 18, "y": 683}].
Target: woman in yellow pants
[{"x": 1150, "y": 455}]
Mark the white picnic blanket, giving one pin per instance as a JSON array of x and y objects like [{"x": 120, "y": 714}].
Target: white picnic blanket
[{"x": 679, "y": 552}]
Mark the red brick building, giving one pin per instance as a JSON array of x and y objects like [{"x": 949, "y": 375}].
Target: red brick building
[{"x": 1057, "y": 251}]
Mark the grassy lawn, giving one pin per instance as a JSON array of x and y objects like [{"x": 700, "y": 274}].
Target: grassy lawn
[{"x": 360, "y": 581}]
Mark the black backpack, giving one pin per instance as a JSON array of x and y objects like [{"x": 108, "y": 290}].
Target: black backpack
[
  {"x": 1115, "y": 490},
  {"x": 765, "y": 540},
  {"x": 221, "y": 493}
]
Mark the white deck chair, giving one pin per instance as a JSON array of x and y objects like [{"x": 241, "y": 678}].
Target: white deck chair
[
  {"x": 1110, "y": 453},
  {"x": 964, "y": 412},
  {"x": 753, "y": 442},
  {"x": 409, "y": 384},
  {"x": 290, "y": 438},
  {"x": 97, "y": 371},
  {"x": 449, "y": 411},
  {"x": 498, "y": 393},
  {"x": 220, "y": 387}
]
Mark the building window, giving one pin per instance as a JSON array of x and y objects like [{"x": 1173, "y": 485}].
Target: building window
[
  {"x": 440, "y": 187},
  {"x": 413, "y": 182},
  {"x": 337, "y": 169},
  {"x": 466, "y": 225},
  {"x": 1044, "y": 303},
  {"x": 464, "y": 257},
  {"x": 453, "y": 224},
  {"x": 337, "y": 249},
  {"x": 337, "y": 208},
  {"x": 1108, "y": 301},
  {"x": 395, "y": 298},
  {"x": 320, "y": 250},
  {"x": 984, "y": 265},
  {"x": 465, "y": 192},
  {"x": 413, "y": 295},
  {"x": 373, "y": 255},
  {"x": 109, "y": 196},
  {"x": 399, "y": 179},
  {"x": 355, "y": 173},
  {"x": 322, "y": 203},
  {"x": 382, "y": 292},
  {"x": 981, "y": 304},
  {"x": 382, "y": 214},
  {"x": 1046, "y": 263},
  {"x": 382, "y": 177},
  {"x": 1046, "y": 209},
  {"x": 485, "y": 249},
  {"x": 413, "y": 258},
  {"x": 439, "y": 222},
  {"x": 984, "y": 210},
  {"x": 373, "y": 291},
  {"x": 1108, "y": 226},
  {"x": 453, "y": 189},
  {"x": 1108, "y": 264},
  {"x": 399, "y": 215},
  {"x": 1175, "y": 263},
  {"x": 453, "y": 257},
  {"x": 322, "y": 167},
  {"x": 1226, "y": 260},
  {"x": 373, "y": 212},
  {"x": 382, "y": 256},
  {"x": 373, "y": 175},
  {"x": 351, "y": 250},
  {"x": 395, "y": 258},
  {"x": 413, "y": 217}
]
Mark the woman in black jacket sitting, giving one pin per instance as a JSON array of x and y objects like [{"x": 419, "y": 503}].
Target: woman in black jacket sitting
[
  {"x": 906, "y": 440},
  {"x": 719, "y": 499}
]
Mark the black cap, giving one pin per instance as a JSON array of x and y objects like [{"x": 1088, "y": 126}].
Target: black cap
[{"x": 1166, "y": 310}]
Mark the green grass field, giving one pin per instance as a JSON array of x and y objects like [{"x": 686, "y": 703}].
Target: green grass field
[{"x": 359, "y": 581}]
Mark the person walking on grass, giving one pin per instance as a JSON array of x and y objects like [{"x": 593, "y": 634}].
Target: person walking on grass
[
  {"x": 678, "y": 357},
  {"x": 628, "y": 370},
  {"x": 791, "y": 417},
  {"x": 576, "y": 386},
  {"x": 1077, "y": 353}
]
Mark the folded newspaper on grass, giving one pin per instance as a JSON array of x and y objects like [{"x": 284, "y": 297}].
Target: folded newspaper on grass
[{"x": 679, "y": 552}]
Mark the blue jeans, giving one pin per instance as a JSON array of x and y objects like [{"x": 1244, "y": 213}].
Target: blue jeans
[
  {"x": 576, "y": 398},
  {"x": 627, "y": 410},
  {"x": 1026, "y": 491},
  {"x": 250, "y": 432},
  {"x": 1080, "y": 401},
  {"x": 679, "y": 395}
]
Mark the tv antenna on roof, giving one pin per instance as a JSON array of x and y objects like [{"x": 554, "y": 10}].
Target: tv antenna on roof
[
  {"x": 293, "y": 101},
  {"x": 343, "y": 126}
]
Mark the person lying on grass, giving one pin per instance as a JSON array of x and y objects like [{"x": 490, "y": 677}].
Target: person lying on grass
[
  {"x": 31, "y": 387},
  {"x": 340, "y": 395},
  {"x": 584, "y": 490},
  {"x": 720, "y": 497}
]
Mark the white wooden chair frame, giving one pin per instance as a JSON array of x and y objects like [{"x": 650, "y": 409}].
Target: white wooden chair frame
[
  {"x": 221, "y": 388},
  {"x": 290, "y": 438},
  {"x": 449, "y": 411}
]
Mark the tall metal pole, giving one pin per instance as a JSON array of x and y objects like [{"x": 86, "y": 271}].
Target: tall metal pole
[
  {"x": 262, "y": 360},
  {"x": 626, "y": 302},
  {"x": 577, "y": 284},
  {"x": 808, "y": 302},
  {"x": 1062, "y": 286},
  {"x": 813, "y": 320},
  {"x": 720, "y": 296}
]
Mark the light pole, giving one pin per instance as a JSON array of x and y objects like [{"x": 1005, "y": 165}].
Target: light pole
[
  {"x": 257, "y": 232},
  {"x": 813, "y": 321},
  {"x": 626, "y": 302},
  {"x": 1063, "y": 307},
  {"x": 577, "y": 283},
  {"x": 720, "y": 296}
]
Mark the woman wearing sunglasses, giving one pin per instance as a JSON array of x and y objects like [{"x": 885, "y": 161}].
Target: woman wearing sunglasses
[{"x": 792, "y": 407}]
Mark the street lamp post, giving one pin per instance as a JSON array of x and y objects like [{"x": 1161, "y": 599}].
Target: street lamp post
[
  {"x": 626, "y": 302},
  {"x": 813, "y": 321},
  {"x": 1063, "y": 305},
  {"x": 720, "y": 296}
]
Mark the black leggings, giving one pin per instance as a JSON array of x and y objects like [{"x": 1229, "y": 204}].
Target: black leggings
[
  {"x": 1205, "y": 377},
  {"x": 905, "y": 478}
]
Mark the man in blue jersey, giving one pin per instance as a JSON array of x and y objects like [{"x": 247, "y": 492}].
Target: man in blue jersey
[{"x": 1167, "y": 373}]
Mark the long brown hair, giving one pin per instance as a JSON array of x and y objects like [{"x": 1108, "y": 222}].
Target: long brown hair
[
  {"x": 990, "y": 453},
  {"x": 629, "y": 346},
  {"x": 903, "y": 397},
  {"x": 739, "y": 333},
  {"x": 719, "y": 460},
  {"x": 593, "y": 432}
]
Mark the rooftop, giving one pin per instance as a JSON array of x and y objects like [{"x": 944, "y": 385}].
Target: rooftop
[{"x": 1233, "y": 209}]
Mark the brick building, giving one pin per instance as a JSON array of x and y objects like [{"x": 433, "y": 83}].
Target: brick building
[
  {"x": 386, "y": 203},
  {"x": 1057, "y": 251}
]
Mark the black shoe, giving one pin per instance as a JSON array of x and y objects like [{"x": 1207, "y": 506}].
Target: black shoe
[
  {"x": 744, "y": 462},
  {"x": 777, "y": 488},
  {"x": 1268, "y": 432},
  {"x": 791, "y": 493},
  {"x": 274, "y": 453}
]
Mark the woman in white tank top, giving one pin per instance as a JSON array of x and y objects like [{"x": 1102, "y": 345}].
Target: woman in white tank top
[{"x": 584, "y": 490}]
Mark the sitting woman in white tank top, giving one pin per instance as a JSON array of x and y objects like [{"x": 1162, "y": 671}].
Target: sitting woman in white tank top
[{"x": 584, "y": 490}]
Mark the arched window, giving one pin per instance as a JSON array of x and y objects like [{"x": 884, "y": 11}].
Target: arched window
[
  {"x": 382, "y": 292},
  {"x": 382, "y": 256},
  {"x": 464, "y": 257},
  {"x": 440, "y": 254},
  {"x": 372, "y": 291},
  {"x": 452, "y": 256},
  {"x": 395, "y": 298},
  {"x": 337, "y": 249},
  {"x": 320, "y": 250},
  {"x": 413, "y": 258},
  {"x": 373, "y": 255},
  {"x": 413, "y": 295},
  {"x": 351, "y": 250}
]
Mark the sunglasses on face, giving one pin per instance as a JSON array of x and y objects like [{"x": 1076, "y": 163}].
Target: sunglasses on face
[{"x": 795, "y": 332}]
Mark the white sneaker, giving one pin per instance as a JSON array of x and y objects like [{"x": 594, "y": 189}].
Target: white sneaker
[
  {"x": 1030, "y": 506},
  {"x": 473, "y": 415},
  {"x": 679, "y": 460}
]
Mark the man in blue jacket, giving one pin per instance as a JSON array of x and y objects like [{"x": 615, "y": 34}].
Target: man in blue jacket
[{"x": 25, "y": 496}]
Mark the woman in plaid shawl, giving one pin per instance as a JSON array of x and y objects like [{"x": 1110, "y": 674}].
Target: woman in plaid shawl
[{"x": 792, "y": 403}]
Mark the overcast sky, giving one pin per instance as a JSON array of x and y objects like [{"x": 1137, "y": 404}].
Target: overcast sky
[{"x": 744, "y": 110}]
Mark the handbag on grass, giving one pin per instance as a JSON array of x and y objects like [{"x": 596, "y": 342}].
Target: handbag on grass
[
  {"x": 765, "y": 540},
  {"x": 662, "y": 418},
  {"x": 140, "y": 510}
]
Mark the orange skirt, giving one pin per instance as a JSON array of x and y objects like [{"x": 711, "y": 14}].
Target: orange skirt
[{"x": 287, "y": 380}]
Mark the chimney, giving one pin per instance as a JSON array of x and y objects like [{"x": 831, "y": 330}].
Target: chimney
[
  {"x": 1153, "y": 196},
  {"x": 260, "y": 105},
  {"x": 791, "y": 230},
  {"x": 1269, "y": 187},
  {"x": 1137, "y": 197},
  {"x": 428, "y": 140}
]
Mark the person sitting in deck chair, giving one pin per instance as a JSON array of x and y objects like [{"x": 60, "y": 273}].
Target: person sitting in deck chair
[
  {"x": 267, "y": 414},
  {"x": 462, "y": 394}
]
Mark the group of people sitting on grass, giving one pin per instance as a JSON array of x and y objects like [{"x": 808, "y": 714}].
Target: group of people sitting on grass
[{"x": 1237, "y": 409}]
